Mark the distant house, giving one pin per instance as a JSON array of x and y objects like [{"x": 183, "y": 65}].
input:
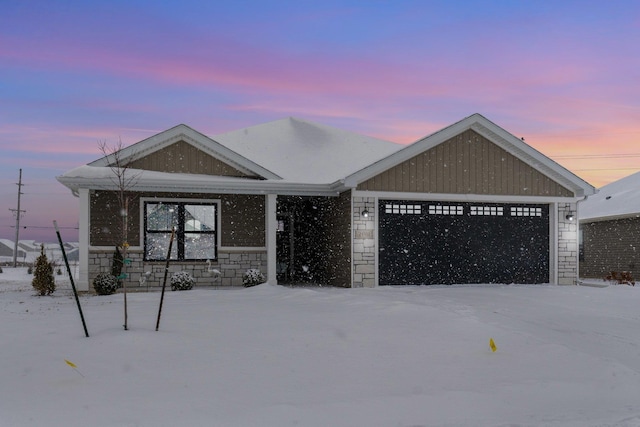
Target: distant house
[
  {"x": 7, "y": 247},
  {"x": 609, "y": 228},
  {"x": 304, "y": 202},
  {"x": 29, "y": 250}
]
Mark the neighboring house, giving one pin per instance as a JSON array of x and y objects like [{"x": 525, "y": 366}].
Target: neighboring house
[
  {"x": 7, "y": 247},
  {"x": 304, "y": 202},
  {"x": 29, "y": 250},
  {"x": 609, "y": 228}
]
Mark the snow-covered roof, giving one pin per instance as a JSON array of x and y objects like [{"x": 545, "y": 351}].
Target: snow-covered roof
[
  {"x": 620, "y": 199},
  {"x": 295, "y": 156},
  {"x": 306, "y": 152}
]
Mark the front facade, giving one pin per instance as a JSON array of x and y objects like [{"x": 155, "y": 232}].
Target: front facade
[{"x": 468, "y": 204}]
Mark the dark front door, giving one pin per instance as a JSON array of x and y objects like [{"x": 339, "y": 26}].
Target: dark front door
[{"x": 446, "y": 243}]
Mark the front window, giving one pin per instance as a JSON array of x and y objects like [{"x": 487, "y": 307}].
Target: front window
[{"x": 195, "y": 225}]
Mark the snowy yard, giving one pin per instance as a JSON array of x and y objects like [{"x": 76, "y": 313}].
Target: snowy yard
[{"x": 277, "y": 356}]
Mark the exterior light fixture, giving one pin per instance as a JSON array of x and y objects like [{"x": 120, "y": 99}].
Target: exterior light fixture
[
  {"x": 569, "y": 217},
  {"x": 365, "y": 213}
]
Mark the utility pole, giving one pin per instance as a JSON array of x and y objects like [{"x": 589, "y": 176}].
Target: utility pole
[{"x": 17, "y": 213}]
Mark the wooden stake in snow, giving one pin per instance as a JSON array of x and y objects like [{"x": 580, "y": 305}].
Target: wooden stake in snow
[
  {"x": 73, "y": 286},
  {"x": 164, "y": 281}
]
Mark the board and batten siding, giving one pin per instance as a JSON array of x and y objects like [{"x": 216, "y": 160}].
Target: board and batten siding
[
  {"x": 338, "y": 251},
  {"x": 466, "y": 164},
  {"x": 182, "y": 157},
  {"x": 241, "y": 217}
]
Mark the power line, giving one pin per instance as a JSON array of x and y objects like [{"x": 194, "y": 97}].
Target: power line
[{"x": 596, "y": 156}]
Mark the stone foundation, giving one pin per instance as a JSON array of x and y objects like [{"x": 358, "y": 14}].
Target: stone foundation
[{"x": 226, "y": 271}]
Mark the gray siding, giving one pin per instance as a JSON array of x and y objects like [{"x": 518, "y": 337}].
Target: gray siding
[
  {"x": 185, "y": 158},
  {"x": 242, "y": 218},
  {"x": 339, "y": 241},
  {"x": 466, "y": 164}
]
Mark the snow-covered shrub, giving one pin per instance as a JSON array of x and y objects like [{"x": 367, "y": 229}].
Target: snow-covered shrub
[
  {"x": 1, "y": 270},
  {"x": 252, "y": 277},
  {"x": 30, "y": 270},
  {"x": 182, "y": 281},
  {"x": 105, "y": 284},
  {"x": 43, "y": 280}
]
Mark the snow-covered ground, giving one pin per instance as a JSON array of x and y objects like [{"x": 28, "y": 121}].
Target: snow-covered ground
[{"x": 278, "y": 356}]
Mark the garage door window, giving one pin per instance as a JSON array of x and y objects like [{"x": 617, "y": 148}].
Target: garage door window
[
  {"x": 445, "y": 210},
  {"x": 403, "y": 209},
  {"x": 487, "y": 210},
  {"x": 526, "y": 211}
]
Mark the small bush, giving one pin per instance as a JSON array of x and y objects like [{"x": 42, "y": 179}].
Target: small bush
[
  {"x": 1, "y": 270},
  {"x": 252, "y": 277},
  {"x": 105, "y": 284},
  {"x": 30, "y": 270},
  {"x": 43, "y": 280},
  {"x": 182, "y": 281}
]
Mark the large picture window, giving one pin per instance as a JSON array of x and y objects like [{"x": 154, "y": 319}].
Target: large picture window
[{"x": 196, "y": 231}]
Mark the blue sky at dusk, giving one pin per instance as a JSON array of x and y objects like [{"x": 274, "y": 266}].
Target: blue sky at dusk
[{"x": 562, "y": 74}]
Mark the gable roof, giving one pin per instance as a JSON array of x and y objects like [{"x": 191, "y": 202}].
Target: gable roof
[
  {"x": 619, "y": 199},
  {"x": 294, "y": 156},
  {"x": 190, "y": 136},
  {"x": 492, "y": 132},
  {"x": 306, "y": 152}
]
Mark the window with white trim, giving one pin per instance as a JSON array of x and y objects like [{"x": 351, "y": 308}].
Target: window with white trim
[
  {"x": 525, "y": 211},
  {"x": 445, "y": 210},
  {"x": 196, "y": 230}
]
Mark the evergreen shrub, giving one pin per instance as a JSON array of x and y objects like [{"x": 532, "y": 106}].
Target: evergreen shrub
[
  {"x": 182, "y": 281},
  {"x": 43, "y": 281},
  {"x": 252, "y": 277},
  {"x": 105, "y": 284}
]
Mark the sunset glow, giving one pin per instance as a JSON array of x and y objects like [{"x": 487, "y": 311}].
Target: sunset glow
[{"x": 562, "y": 75}]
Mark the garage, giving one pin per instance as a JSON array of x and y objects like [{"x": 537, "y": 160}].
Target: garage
[{"x": 424, "y": 243}]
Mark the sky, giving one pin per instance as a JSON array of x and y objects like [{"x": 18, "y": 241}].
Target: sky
[{"x": 561, "y": 74}]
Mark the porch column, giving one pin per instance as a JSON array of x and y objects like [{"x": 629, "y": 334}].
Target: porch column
[
  {"x": 82, "y": 281},
  {"x": 272, "y": 228}
]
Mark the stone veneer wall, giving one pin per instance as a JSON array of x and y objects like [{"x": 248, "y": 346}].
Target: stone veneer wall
[
  {"x": 364, "y": 244},
  {"x": 567, "y": 245},
  {"x": 231, "y": 265}
]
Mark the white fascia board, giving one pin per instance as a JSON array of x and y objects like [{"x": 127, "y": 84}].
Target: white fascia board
[
  {"x": 531, "y": 156},
  {"x": 193, "y": 137},
  {"x": 615, "y": 217},
  {"x": 164, "y": 182},
  {"x": 491, "y": 131},
  {"x": 479, "y": 198}
]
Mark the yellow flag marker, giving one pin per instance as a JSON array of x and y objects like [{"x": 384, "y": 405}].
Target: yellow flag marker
[
  {"x": 492, "y": 345},
  {"x": 73, "y": 365}
]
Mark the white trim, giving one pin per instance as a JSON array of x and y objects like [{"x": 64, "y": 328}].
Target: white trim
[
  {"x": 376, "y": 242},
  {"x": 184, "y": 133},
  {"x": 446, "y": 197},
  {"x": 271, "y": 227},
  {"x": 84, "y": 218},
  {"x": 553, "y": 243},
  {"x": 495, "y": 134}
]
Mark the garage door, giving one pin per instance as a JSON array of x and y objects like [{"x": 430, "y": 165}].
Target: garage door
[{"x": 447, "y": 243}]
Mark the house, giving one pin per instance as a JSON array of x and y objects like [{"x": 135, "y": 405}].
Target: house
[
  {"x": 304, "y": 202},
  {"x": 609, "y": 229}
]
